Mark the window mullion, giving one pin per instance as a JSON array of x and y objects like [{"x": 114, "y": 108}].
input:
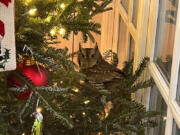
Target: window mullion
[
  {"x": 130, "y": 12},
  {"x": 152, "y": 28},
  {"x": 169, "y": 123},
  {"x": 176, "y": 59}
]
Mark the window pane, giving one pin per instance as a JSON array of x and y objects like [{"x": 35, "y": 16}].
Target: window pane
[
  {"x": 165, "y": 34},
  {"x": 176, "y": 130},
  {"x": 135, "y": 12},
  {"x": 122, "y": 46},
  {"x": 131, "y": 47},
  {"x": 157, "y": 104},
  {"x": 125, "y": 4},
  {"x": 178, "y": 89}
]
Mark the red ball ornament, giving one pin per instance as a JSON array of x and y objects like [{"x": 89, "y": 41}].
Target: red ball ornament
[{"x": 36, "y": 73}]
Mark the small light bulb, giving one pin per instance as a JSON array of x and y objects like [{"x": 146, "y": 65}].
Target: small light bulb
[
  {"x": 84, "y": 113},
  {"x": 62, "y": 31},
  {"x": 81, "y": 81},
  {"x": 32, "y": 12},
  {"x": 23, "y": 133},
  {"x": 75, "y": 90},
  {"x": 62, "y": 5},
  {"x": 48, "y": 19},
  {"x": 164, "y": 118},
  {"x": 86, "y": 102},
  {"x": 39, "y": 109},
  {"x": 61, "y": 82},
  {"x": 53, "y": 32},
  {"x": 28, "y": 1}
]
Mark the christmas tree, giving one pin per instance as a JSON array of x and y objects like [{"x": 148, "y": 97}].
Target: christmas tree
[{"x": 70, "y": 105}]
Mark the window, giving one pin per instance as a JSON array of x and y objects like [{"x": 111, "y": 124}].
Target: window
[
  {"x": 176, "y": 130},
  {"x": 122, "y": 43},
  {"x": 163, "y": 47},
  {"x": 151, "y": 28},
  {"x": 164, "y": 42},
  {"x": 125, "y": 29},
  {"x": 135, "y": 12},
  {"x": 125, "y": 4},
  {"x": 157, "y": 104}
]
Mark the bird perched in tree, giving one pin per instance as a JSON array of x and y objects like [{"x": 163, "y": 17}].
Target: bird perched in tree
[{"x": 97, "y": 70}]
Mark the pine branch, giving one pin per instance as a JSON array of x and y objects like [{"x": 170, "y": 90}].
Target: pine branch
[
  {"x": 44, "y": 89},
  {"x": 65, "y": 121},
  {"x": 128, "y": 68},
  {"x": 18, "y": 89},
  {"x": 141, "y": 85},
  {"x": 27, "y": 104},
  {"x": 139, "y": 70},
  {"x": 7, "y": 114}
]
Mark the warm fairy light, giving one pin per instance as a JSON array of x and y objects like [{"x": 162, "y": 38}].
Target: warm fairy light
[
  {"x": 61, "y": 82},
  {"x": 81, "y": 81},
  {"x": 62, "y": 31},
  {"x": 48, "y": 19},
  {"x": 32, "y": 12},
  {"x": 84, "y": 113},
  {"x": 39, "y": 109},
  {"x": 164, "y": 118},
  {"x": 86, "y": 102},
  {"x": 23, "y": 133},
  {"x": 75, "y": 90},
  {"x": 28, "y": 1},
  {"x": 62, "y": 5},
  {"x": 53, "y": 32}
]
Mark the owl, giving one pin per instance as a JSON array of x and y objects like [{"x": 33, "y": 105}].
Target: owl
[
  {"x": 97, "y": 70},
  {"x": 88, "y": 57}
]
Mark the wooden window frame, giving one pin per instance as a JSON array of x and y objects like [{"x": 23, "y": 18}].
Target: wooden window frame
[
  {"x": 110, "y": 34},
  {"x": 167, "y": 90},
  {"x": 144, "y": 36}
]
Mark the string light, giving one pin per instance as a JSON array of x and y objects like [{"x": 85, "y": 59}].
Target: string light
[
  {"x": 39, "y": 109},
  {"x": 48, "y": 19},
  {"x": 62, "y": 31},
  {"x": 32, "y": 12},
  {"x": 28, "y": 1},
  {"x": 84, "y": 113},
  {"x": 62, "y": 5},
  {"x": 23, "y": 133},
  {"x": 86, "y": 102},
  {"x": 75, "y": 90},
  {"x": 164, "y": 118},
  {"x": 53, "y": 32},
  {"x": 81, "y": 81}
]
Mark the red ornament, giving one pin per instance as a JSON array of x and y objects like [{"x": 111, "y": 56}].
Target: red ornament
[
  {"x": 6, "y": 2},
  {"x": 2, "y": 30},
  {"x": 36, "y": 73}
]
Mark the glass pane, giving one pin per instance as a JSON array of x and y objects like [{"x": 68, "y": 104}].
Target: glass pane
[
  {"x": 165, "y": 34},
  {"x": 125, "y": 4},
  {"x": 135, "y": 12},
  {"x": 176, "y": 130},
  {"x": 122, "y": 46},
  {"x": 178, "y": 89},
  {"x": 157, "y": 103},
  {"x": 131, "y": 48}
]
